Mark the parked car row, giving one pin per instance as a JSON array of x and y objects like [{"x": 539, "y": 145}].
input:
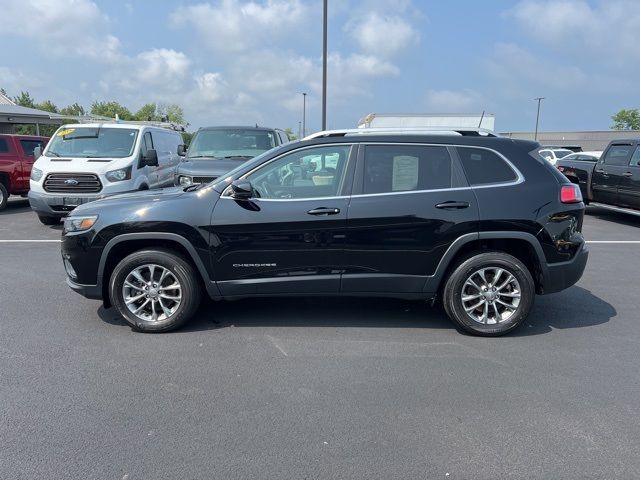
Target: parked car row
[{"x": 88, "y": 162}]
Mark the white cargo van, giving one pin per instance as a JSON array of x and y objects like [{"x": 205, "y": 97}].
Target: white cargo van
[{"x": 86, "y": 162}]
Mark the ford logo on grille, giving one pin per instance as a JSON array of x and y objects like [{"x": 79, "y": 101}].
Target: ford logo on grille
[{"x": 71, "y": 181}]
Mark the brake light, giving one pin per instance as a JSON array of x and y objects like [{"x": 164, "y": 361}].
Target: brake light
[{"x": 570, "y": 194}]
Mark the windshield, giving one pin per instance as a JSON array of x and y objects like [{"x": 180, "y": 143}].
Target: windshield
[
  {"x": 562, "y": 153},
  {"x": 93, "y": 142},
  {"x": 225, "y": 143}
]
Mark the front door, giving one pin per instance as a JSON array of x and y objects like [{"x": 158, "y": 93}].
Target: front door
[
  {"x": 609, "y": 171},
  {"x": 629, "y": 188},
  {"x": 289, "y": 238},
  {"x": 409, "y": 203}
]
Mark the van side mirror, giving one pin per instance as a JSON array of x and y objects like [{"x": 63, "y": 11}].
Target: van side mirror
[
  {"x": 182, "y": 150},
  {"x": 241, "y": 189},
  {"x": 150, "y": 159},
  {"x": 37, "y": 152}
]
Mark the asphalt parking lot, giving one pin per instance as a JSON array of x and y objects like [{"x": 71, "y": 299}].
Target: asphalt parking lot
[{"x": 318, "y": 388}]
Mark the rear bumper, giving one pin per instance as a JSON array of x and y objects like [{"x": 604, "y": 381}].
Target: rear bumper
[{"x": 559, "y": 276}]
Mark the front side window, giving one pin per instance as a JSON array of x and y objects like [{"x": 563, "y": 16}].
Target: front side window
[
  {"x": 402, "y": 168},
  {"x": 635, "y": 158},
  {"x": 484, "y": 167},
  {"x": 93, "y": 142},
  {"x": 309, "y": 173},
  {"x": 618, "y": 155}
]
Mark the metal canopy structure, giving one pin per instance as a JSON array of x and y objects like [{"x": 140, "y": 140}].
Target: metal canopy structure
[{"x": 11, "y": 115}]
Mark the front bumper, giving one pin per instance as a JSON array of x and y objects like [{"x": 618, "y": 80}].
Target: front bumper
[
  {"x": 58, "y": 205},
  {"x": 93, "y": 292},
  {"x": 562, "y": 275}
]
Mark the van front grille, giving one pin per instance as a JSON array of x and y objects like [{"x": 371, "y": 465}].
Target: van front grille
[{"x": 72, "y": 183}]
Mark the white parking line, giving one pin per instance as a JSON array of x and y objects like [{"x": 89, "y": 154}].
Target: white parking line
[
  {"x": 631, "y": 242},
  {"x": 30, "y": 241}
]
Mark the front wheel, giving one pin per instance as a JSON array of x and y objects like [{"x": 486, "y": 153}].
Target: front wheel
[
  {"x": 489, "y": 294},
  {"x": 155, "y": 290},
  {"x": 4, "y": 196}
]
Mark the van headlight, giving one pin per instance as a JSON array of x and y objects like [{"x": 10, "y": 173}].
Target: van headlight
[
  {"x": 36, "y": 174},
  {"x": 79, "y": 224},
  {"x": 119, "y": 175},
  {"x": 185, "y": 180}
]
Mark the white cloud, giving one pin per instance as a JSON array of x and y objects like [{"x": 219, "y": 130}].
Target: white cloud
[
  {"x": 232, "y": 25},
  {"x": 382, "y": 34},
  {"x": 607, "y": 30},
  {"x": 453, "y": 101}
]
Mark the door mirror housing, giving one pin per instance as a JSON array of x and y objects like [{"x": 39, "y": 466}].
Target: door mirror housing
[
  {"x": 241, "y": 190},
  {"x": 150, "y": 159},
  {"x": 37, "y": 152},
  {"x": 182, "y": 150}
]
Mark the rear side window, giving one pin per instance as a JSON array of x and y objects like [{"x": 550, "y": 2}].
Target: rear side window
[
  {"x": 4, "y": 146},
  {"x": 28, "y": 146},
  {"x": 401, "y": 168},
  {"x": 484, "y": 167},
  {"x": 618, "y": 155}
]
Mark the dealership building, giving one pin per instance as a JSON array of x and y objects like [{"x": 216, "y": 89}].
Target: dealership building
[{"x": 588, "y": 140}]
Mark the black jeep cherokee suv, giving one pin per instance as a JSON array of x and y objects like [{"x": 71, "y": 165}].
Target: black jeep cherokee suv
[{"x": 481, "y": 221}]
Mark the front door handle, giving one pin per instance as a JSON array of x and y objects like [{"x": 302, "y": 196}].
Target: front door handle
[
  {"x": 453, "y": 205},
  {"x": 324, "y": 211},
  {"x": 600, "y": 170},
  {"x": 628, "y": 174}
]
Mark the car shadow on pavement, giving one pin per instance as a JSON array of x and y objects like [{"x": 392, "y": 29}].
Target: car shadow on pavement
[
  {"x": 19, "y": 205},
  {"x": 612, "y": 216},
  {"x": 574, "y": 308}
]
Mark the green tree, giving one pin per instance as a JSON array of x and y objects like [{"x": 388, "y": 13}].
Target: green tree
[
  {"x": 148, "y": 112},
  {"x": 174, "y": 113},
  {"x": 187, "y": 137},
  {"x": 4, "y": 92},
  {"x": 110, "y": 109},
  {"x": 75, "y": 110},
  {"x": 290, "y": 134},
  {"x": 24, "y": 100},
  {"x": 626, "y": 119},
  {"x": 47, "y": 106}
]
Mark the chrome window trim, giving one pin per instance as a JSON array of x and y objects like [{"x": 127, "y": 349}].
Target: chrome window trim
[{"x": 520, "y": 178}]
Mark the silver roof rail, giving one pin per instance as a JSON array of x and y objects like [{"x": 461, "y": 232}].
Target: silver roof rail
[
  {"x": 465, "y": 132},
  {"x": 100, "y": 119}
]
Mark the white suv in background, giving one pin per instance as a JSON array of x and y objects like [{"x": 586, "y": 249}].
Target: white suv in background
[
  {"x": 86, "y": 162},
  {"x": 554, "y": 154}
]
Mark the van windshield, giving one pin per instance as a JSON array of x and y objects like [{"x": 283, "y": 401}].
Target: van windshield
[
  {"x": 232, "y": 142},
  {"x": 93, "y": 142}
]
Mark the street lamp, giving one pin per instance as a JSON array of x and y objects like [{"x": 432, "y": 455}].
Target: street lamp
[
  {"x": 539, "y": 99},
  {"x": 304, "y": 114},
  {"x": 324, "y": 65}
]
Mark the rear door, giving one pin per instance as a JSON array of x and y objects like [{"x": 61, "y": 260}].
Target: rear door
[
  {"x": 410, "y": 202},
  {"x": 26, "y": 147},
  {"x": 609, "y": 171},
  {"x": 629, "y": 188}
]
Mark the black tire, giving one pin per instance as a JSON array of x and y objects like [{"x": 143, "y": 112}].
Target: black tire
[
  {"x": 455, "y": 283},
  {"x": 4, "y": 196},
  {"x": 183, "y": 272},
  {"x": 47, "y": 220}
]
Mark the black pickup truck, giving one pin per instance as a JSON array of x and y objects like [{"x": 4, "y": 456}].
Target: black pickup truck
[{"x": 613, "y": 181}]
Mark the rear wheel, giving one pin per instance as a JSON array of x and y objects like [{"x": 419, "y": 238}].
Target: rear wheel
[
  {"x": 4, "y": 196},
  {"x": 489, "y": 294},
  {"x": 47, "y": 220},
  {"x": 155, "y": 290}
]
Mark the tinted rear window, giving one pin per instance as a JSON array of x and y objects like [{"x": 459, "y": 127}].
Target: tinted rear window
[
  {"x": 485, "y": 167},
  {"x": 4, "y": 146},
  {"x": 28, "y": 146},
  {"x": 398, "y": 168}
]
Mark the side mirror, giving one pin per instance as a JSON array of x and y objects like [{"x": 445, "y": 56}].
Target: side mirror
[
  {"x": 150, "y": 159},
  {"x": 182, "y": 150},
  {"x": 242, "y": 189},
  {"x": 37, "y": 152}
]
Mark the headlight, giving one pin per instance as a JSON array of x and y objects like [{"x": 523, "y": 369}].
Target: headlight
[
  {"x": 185, "y": 181},
  {"x": 119, "y": 175},
  {"x": 36, "y": 174},
  {"x": 79, "y": 224}
]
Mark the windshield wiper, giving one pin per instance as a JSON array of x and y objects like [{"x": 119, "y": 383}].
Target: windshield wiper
[
  {"x": 201, "y": 156},
  {"x": 53, "y": 153},
  {"x": 192, "y": 188},
  {"x": 237, "y": 156}
]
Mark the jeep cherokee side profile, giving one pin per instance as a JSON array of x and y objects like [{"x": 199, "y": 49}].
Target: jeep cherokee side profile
[{"x": 482, "y": 222}]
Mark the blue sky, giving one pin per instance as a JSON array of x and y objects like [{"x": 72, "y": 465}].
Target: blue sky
[{"x": 246, "y": 62}]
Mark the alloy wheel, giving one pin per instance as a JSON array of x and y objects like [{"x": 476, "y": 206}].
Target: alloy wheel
[
  {"x": 491, "y": 295},
  {"x": 152, "y": 293}
]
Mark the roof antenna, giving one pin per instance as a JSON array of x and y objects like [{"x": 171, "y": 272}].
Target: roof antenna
[{"x": 481, "y": 118}]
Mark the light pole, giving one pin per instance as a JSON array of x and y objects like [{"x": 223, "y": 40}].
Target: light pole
[
  {"x": 304, "y": 114},
  {"x": 324, "y": 65},
  {"x": 539, "y": 99}
]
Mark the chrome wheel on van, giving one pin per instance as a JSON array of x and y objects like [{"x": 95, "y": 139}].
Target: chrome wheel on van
[
  {"x": 491, "y": 295},
  {"x": 152, "y": 293}
]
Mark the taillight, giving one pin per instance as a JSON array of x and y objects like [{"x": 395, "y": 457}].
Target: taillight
[
  {"x": 570, "y": 194},
  {"x": 560, "y": 168}
]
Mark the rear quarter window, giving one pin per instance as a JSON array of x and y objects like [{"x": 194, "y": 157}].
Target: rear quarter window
[
  {"x": 4, "y": 146},
  {"x": 484, "y": 167}
]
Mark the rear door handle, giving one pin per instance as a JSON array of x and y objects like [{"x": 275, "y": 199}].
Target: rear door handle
[
  {"x": 324, "y": 211},
  {"x": 628, "y": 174},
  {"x": 451, "y": 205}
]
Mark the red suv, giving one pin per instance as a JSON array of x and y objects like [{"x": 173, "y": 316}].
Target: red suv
[{"x": 16, "y": 160}]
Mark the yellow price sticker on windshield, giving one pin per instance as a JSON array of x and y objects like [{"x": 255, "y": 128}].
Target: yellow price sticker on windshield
[{"x": 66, "y": 131}]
